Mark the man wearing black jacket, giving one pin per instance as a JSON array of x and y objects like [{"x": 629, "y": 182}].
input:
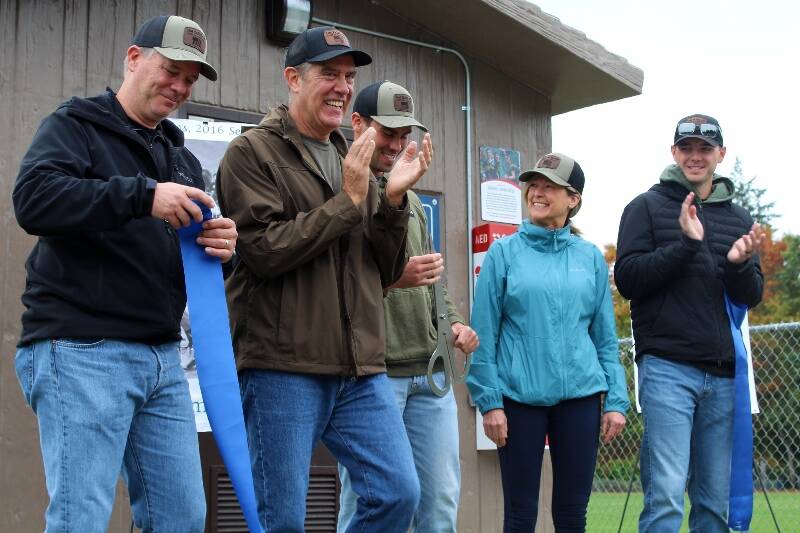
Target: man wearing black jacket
[
  {"x": 104, "y": 185},
  {"x": 682, "y": 247}
]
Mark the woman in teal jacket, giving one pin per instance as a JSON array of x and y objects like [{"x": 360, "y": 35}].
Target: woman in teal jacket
[{"x": 549, "y": 353}]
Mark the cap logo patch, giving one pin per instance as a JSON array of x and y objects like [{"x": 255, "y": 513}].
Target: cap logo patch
[
  {"x": 696, "y": 120},
  {"x": 194, "y": 38},
  {"x": 402, "y": 103},
  {"x": 549, "y": 161},
  {"x": 336, "y": 38}
]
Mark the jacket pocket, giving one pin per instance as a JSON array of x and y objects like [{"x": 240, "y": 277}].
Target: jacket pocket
[
  {"x": 685, "y": 315},
  {"x": 256, "y": 323},
  {"x": 269, "y": 301},
  {"x": 586, "y": 375},
  {"x": 410, "y": 332},
  {"x": 532, "y": 375}
]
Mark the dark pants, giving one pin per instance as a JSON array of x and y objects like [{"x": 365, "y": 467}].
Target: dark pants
[{"x": 573, "y": 429}]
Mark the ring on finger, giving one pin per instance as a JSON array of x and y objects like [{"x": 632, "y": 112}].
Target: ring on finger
[{"x": 227, "y": 244}]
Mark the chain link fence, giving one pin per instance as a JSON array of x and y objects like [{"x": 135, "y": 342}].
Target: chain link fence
[{"x": 617, "y": 492}]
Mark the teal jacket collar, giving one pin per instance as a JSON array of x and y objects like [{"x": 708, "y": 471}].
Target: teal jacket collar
[{"x": 546, "y": 240}]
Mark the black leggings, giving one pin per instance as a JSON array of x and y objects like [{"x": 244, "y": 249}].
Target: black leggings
[{"x": 573, "y": 429}]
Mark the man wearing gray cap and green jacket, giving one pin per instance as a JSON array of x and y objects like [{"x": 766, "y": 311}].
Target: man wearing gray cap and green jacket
[{"x": 431, "y": 422}]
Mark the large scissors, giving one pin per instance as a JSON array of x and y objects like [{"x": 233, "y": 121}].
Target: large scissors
[{"x": 445, "y": 349}]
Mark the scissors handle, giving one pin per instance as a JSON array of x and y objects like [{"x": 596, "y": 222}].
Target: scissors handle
[
  {"x": 444, "y": 347},
  {"x": 450, "y": 373},
  {"x": 436, "y": 389},
  {"x": 459, "y": 378}
]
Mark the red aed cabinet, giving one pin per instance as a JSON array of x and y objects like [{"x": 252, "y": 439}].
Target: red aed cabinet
[{"x": 482, "y": 237}]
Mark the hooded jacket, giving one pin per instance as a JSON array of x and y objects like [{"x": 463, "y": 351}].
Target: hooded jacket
[
  {"x": 102, "y": 267},
  {"x": 307, "y": 293},
  {"x": 544, "y": 315},
  {"x": 676, "y": 285}
]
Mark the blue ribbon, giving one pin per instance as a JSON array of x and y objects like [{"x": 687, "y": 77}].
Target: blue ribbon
[
  {"x": 740, "y": 505},
  {"x": 216, "y": 369}
]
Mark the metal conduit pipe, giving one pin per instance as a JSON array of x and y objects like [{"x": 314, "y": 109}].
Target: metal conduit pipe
[{"x": 467, "y": 108}]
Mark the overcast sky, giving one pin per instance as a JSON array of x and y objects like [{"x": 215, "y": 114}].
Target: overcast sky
[{"x": 735, "y": 60}]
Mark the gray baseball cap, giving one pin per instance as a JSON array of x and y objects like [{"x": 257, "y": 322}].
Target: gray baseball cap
[
  {"x": 176, "y": 38},
  {"x": 561, "y": 170},
  {"x": 388, "y": 104}
]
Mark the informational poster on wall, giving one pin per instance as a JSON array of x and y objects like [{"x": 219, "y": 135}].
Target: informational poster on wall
[
  {"x": 431, "y": 203},
  {"x": 501, "y": 200},
  {"x": 207, "y": 141}
]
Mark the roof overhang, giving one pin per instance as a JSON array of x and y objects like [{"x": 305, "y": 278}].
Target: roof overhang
[{"x": 523, "y": 42}]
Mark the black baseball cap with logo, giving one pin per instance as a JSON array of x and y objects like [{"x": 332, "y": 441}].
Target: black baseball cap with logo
[
  {"x": 699, "y": 127},
  {"x": 176, "y": 38},
  {"x": 388, "y": 104},
  {"x": 317, "y": 45}
]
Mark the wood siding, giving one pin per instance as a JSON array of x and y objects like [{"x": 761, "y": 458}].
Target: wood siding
[{"x": 51, "y": 50}]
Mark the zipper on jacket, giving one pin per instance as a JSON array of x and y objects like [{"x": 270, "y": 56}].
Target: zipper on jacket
[
  {"x": 339, "y": 262},
  {"x": 342, "y": 253},
  {"x": 348, "y": 325},
  {"x": 172, "y": 236},
  {"x": 129, "y": 132},
  {"x": 707, "y": 241},
  {"x": 560, "y": 304},
  {"x": 351, "y": 338},
  {"x": 561, "y": 330}
]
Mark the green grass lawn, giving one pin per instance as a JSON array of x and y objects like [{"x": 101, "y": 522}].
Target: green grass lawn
[{"x": 605, "y": 510}]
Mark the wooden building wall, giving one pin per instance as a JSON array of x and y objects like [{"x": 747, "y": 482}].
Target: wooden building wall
[{"x": 51, "y": 50}]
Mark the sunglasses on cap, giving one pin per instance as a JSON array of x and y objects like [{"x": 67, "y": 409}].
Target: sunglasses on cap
[{"x": 690, "y": 128}]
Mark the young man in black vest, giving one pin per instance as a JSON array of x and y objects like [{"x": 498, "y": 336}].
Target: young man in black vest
[{"x": 682, "y": 247}]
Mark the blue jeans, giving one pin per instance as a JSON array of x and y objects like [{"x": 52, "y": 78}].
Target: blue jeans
[
  {"x": 288, "y": 414},
  {"x": 688, "y": 424},
  {"x": 105, "y": 406},
  {"x": 431, "y": 423}
]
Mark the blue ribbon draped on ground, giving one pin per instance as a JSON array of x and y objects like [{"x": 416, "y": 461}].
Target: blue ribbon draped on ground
[
  {"x": 740, "y": 506},
  {"x": 216, "y": 369}
]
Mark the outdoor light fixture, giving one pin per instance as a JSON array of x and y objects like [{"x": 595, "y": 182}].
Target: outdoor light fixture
[{"x": 286, "y": 19}]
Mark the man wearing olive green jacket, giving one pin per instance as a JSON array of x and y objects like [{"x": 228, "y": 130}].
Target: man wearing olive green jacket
[{"x": 431, "y": 422}]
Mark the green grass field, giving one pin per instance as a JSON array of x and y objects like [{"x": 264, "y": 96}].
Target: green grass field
[{"x": 605, "y": 510}]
